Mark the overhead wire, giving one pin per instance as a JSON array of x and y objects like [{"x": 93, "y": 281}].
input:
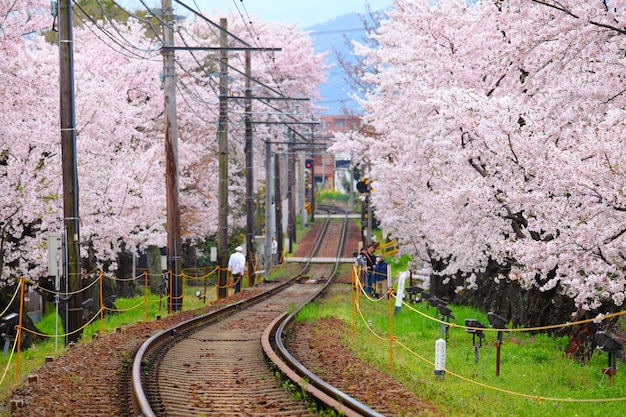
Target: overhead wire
[
  {"x": 237, "y": 70},
  {"x": 129, "y": 53},
  {"x": 213, "y": 26},
  {"x": 256, "y": 38},
  {"x": 112, "y": 22},
  {"x": 148, "y": 22}
]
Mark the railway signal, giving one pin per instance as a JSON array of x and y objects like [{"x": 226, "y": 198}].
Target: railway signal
[{"x": 363, "y": 186}]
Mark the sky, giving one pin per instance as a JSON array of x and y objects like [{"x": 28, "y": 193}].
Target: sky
[{"x": 306, "y": 12}]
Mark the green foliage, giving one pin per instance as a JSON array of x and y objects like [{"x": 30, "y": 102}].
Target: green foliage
[
  {"x": 332, "y": 195},
  {"x": 532, "y": 365}
]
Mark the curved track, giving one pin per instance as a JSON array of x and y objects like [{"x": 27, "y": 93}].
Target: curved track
[{"x": 214, "y": 364}]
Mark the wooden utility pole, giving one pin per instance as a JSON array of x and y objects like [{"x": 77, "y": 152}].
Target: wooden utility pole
[
  {"x": 251, "y": 253},
  {"x": 174, "y": 246},
  {"x": 73, "y": 282},
  {"x": 222, "y": 195}
]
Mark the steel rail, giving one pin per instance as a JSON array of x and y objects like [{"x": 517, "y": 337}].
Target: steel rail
[
  {"x": 141, "y": 404},
  {"x": 298, "y": 373}
]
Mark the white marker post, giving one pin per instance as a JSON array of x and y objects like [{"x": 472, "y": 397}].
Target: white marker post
[
  {"x": 440, "y": 358},
  {"x": 400, "y": 296}
]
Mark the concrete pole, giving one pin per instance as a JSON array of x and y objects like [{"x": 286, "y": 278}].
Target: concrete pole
[
  {"x": 269, "y": 208},
  {"x": 250, "y": 250},
  {"x": 71, "y": 216},
  {"x": 278, "y": 205},
  {"x": 222, "y": 196},
  {"x": 291, "y": 198},
  {"x": 302, "y": 193},
  {"x": 174, "y": 246}
]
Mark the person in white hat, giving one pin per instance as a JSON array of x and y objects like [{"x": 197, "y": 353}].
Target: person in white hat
[{"x": 237, "y": 266}]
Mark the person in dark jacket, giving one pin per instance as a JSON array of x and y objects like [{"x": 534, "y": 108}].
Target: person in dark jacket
[{"x": 381, "y": 271}]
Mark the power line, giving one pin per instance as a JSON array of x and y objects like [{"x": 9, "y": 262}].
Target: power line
[{"x": 112, "y": 37}]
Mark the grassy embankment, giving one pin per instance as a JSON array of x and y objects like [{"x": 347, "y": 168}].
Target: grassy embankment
[{"x": 536, "y": 377}]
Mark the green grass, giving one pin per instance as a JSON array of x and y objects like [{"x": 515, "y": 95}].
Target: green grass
[
  {"x": 531, "y": 365},
  {"x": 332, "y": 196},
  {"x": 131, "y": 311},
  {"x": 533, "y": 369}
]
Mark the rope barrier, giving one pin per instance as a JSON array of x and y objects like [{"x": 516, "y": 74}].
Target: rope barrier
[
  {"x": 10, "y": 302},
  {"x": 122, "y": 310},
  {"x": 6, "y": 369},
  {"x": 598, "y": 319},
  {"x": 63, "y": 294},
  {"x": 394, "y": 340},
  {"x": 167, "y": 277},
  {"x": 45, "y": 335}
]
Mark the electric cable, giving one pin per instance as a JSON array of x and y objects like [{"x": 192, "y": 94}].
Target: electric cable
[
  {"x": 112, "y": 22},
  {"x": 129, "y": 53}
]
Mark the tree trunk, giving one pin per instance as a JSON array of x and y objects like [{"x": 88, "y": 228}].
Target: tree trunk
[
  {"x": 155, "y": 271},
  {"x": 526, "y": 308}
]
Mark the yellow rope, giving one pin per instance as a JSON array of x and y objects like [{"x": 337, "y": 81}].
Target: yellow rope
[
  {"x": 10, "y": 302},
  {"x": 466, "y": 379}
]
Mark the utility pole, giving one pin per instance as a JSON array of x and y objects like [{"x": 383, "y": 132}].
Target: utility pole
[
  {"x": 278, "y": 206},
  {"x": 71, "y": 217},
  {"x": 249, "y": 174},
  {"x": 174, "y": 247},
  {"x": 222, "y": 195},
  {"x": 291, "y": 198},
  {"x": 269, "y": 210},
  {"x": 303, "y": 192}
]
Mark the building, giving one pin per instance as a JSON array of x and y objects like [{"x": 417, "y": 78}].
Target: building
[{"x": 334, "y": 173}]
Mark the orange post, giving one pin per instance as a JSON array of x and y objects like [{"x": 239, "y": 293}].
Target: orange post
[
  {"x": 206, "y": 277},
  {"x": 18, "y": 334},
  {"x": 354, "y": 299},
  {"x": 145, "y": 296},
  {"x": 390, "y": 303},
  {"x": 182, "y": 291},
  {"x": 171, "y": 297},
  {"x": 101, "y": 306}
]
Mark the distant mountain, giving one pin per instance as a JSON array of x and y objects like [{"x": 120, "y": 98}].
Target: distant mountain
[{"x": 334, "y": 36}]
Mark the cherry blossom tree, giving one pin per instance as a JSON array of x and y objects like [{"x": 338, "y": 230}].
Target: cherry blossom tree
[
  {"x": 119, "y": 117},
  {"x": 27, "y": 159},
  {"x": 499, "y": 146}
]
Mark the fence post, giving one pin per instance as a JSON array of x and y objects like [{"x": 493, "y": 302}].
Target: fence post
[
  {"x": 182, "y": 291},
  {"x": 145, "y": 285},
  {"x": 355, "y": 294},
  {"x": 390, "y": 313},
  {"x": 101, "y": 306},
  {"x": 19, "y": 330},
  {"x": 171, "y": 297}
]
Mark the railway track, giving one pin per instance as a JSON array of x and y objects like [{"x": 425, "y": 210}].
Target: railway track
[{"x": 217, "y": 365}]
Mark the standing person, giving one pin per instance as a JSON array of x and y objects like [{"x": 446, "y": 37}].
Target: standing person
[
  {"x": 237, "y": 266},
  {"x": 359, "y": 264},
  {"x": 369, "y": 269},
  {"x": 380, "y": 272},
  {"x": 275, "y": 251}
]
